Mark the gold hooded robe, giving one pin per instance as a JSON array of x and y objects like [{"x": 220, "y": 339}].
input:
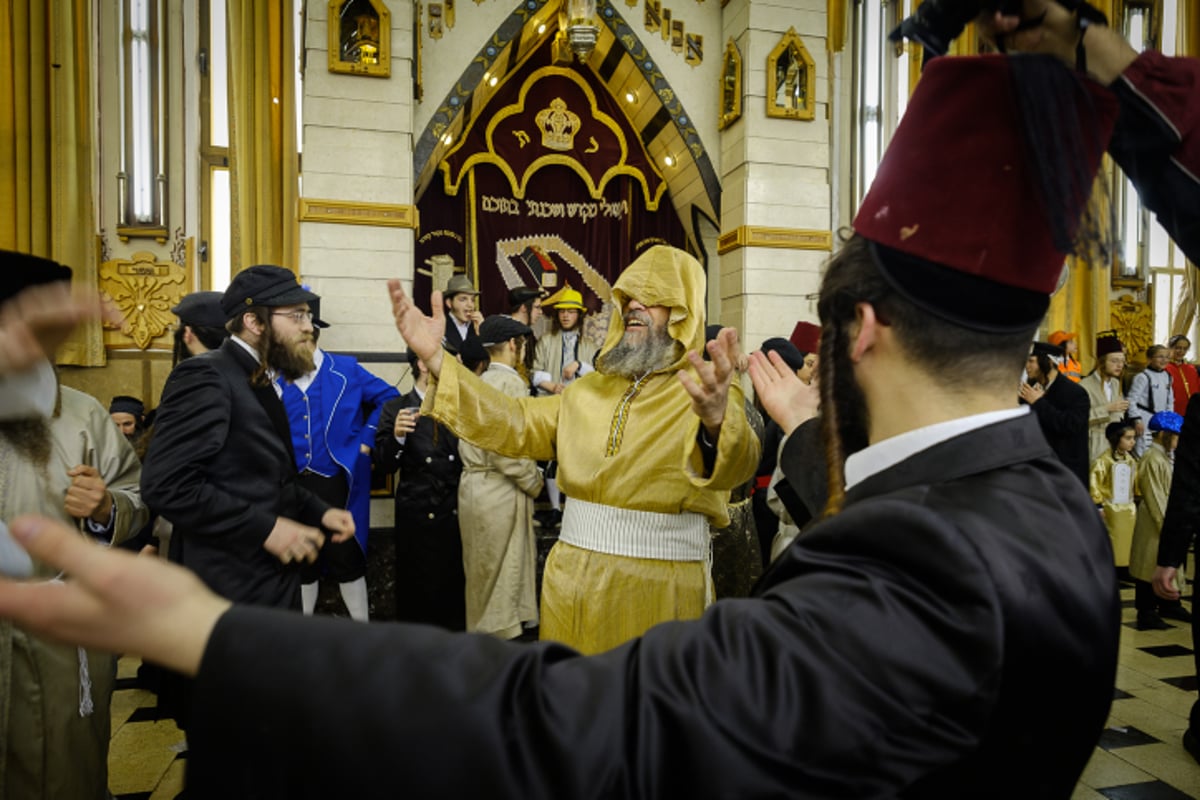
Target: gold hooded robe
[{"x": 622, "y": 443}]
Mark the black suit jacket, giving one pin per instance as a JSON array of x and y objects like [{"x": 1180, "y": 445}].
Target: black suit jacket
[
  {"x": 452, "y": 340},
  {"x": 1063, "y": 414},
  {"x": 220, "y": 468},
  {"x": 1182, "y": 516},
  {"x": 898, "y": 649}
]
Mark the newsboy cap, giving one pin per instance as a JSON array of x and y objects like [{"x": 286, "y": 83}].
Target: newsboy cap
[
  {"x": 263, "y": 285},
  {"x": 500, "y": 328},
  {"x": 201, "y": 310}
]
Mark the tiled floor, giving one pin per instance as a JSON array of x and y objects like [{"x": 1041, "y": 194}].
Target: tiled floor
[{"x": 1139, "y": 756}]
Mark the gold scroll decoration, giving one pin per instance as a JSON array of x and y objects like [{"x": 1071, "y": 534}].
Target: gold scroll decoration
[
  {"x": 144, "y": 290},
  {"x": 1134, "y": 323}
]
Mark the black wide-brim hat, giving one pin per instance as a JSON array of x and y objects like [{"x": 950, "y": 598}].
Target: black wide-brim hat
[
  {"x": 264, "y": 285},
  {"x": 20, "y": 271}
]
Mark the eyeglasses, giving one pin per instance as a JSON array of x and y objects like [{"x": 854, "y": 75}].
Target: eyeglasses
[{"x": 297, "y": 317}]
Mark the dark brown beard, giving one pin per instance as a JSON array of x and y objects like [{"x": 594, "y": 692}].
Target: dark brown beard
[
  {"x": 290, "y": 359},
  {"x": 31, "y": 438},
  {"x": 632, "y": 361}
]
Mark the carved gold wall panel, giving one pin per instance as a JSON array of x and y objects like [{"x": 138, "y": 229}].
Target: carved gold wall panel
[
  {"x": 144, "y": 290},
  {"x": 1134, "y": 323}
]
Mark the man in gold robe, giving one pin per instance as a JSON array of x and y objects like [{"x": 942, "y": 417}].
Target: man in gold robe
[{"x": 652, "y": 442}]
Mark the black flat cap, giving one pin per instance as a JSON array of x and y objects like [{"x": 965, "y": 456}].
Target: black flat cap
[
  {"x": 263, "y": 285},
  {"x": 201, "y": 310},
  {"x": 19, "y": 271},
  {"x": 523, "y": 294},
  {"x": 473, "y": 353},
  {"x": 1046, "y": 349},
  {"x": 315, "y": 307},
  {"x": 500, "y": 328},
  {"x": 124, "y": 404},
  {"x": 790, "y": 354}
]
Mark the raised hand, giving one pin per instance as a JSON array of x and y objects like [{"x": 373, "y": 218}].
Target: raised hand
[
  {"x": 788, "y": 400},
  {"x": 37, "y": 320},
  {"x": 422, "y": 332},
  {"x": 711, "y": 393}
]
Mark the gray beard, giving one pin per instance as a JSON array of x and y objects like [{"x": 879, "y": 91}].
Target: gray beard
[
  {"x": 628, "y": 360},
  {"x": 30, "y": 438}
]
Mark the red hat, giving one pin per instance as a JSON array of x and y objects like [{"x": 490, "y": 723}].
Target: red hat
[
  {"x": 977, "y": 200},
  {"x": 806, "y": 337}
]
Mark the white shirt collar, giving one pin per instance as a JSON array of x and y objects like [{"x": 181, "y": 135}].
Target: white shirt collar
[
  {"x": 889, "y": 452},
  {"x": 305, "y": 380},
  {"x": 247, "y": 347}
]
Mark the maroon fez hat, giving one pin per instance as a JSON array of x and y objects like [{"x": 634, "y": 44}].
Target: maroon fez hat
[
  {"x": 959, "y": 217},
  {"x": 1108, "y": 342},
  {"x": 806, "y": 337}
]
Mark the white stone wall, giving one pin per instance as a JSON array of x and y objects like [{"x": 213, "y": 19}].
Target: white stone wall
[
  {"x": 775, "y": 173},
  {"x": 357, "y": 147}
]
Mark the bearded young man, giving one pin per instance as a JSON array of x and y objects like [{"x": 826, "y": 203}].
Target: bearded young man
[
  {"x": 1103, "y": 387},
  {"x": 220, "y": 466}
]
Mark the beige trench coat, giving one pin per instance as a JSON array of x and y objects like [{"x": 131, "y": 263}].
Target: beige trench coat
[
  {"x": 48, "y": 749},
  {"x": 1154, "y": 485},
  {"x": 495, "y": 518}
]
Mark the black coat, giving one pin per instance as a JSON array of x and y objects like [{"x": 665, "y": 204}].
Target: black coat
[
  {"x": 220, "y": 468},
  {"x": 952, "y": 633},
  {"x": 428, "y": 462},
  {"x": 1063, "y": 413}
]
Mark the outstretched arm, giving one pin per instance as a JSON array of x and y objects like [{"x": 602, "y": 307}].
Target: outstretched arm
[
  {"x": 112, "y": 600},
  {"x": 787, "y": 399},
  {"x": 710, "y": 394},
  {"x": 422, "y": 332}
]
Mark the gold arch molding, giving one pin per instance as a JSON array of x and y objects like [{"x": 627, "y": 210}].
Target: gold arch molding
[{"x": 519, "y": 183}]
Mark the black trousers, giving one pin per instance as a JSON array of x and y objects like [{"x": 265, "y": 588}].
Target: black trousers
[{"x": 344, "y": 561}]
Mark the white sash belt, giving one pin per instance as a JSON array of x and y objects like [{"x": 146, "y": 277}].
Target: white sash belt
[{"x": 636, "y": 534}]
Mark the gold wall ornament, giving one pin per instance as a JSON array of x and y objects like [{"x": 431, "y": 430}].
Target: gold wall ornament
[
  {"x": 144, "y": 290},
  {"x": 448, "y": 12},
  {"x": 1134, "y": 323},
  {"x": 791, "y": 79},
  {"x": 786, "y": 238},
  {"x": 677, "y": 32},
  {"x": 383, "y": 215},
  {"x": 435, "y": 20},
  {"x": 360, "y": 37},
  {"x": 418, "y": 74},
  {"x": 731, "y": 85},
  {"x": 693, "y": 49},
  {"x": 652, "y": 16},
  {"x": 558, "y": 125}
]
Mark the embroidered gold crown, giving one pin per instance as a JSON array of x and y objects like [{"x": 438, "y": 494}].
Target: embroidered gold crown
[{"x": 558, "y": 125}]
